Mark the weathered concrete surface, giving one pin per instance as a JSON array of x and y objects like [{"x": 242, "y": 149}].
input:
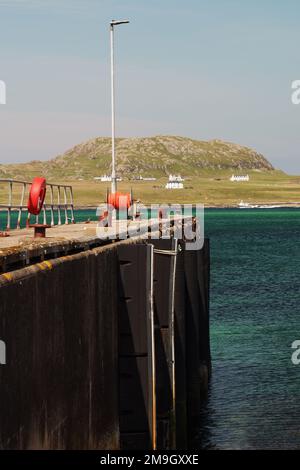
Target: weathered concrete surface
[
  {"x": 21, "y": 249},
  {"x": 180, "y": 351},
  {"x": 198, "y": 356},
  {"x": 136, "y": 347},
  {"x": 58, "y": 232},
  {"x": 165, "y": 254},
  {"x": 58, "y": 320}
]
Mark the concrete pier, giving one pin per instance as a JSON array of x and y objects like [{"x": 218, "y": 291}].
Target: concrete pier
[{"x": 107, "y": 342}]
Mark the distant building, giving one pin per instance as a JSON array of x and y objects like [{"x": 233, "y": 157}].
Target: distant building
[
  {"x": 141, "y": 178},
  {"x": 240, "y": 178},
  {"x": 175, "y": 182},
  {"x": 174, "y": 185},
  {"x": 105, "y": 179},
  {"x": 176, "y": 178}
]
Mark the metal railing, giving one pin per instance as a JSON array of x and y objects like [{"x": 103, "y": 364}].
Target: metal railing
[{"x": 59, "y": 200}]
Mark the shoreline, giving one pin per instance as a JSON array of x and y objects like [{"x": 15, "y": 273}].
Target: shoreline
[{"x": 290, "y": 205}]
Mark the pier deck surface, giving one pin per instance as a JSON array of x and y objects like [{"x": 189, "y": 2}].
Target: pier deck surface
[
  {"x": 58, "y": 233},
  {"x": 20, "y": 247}
]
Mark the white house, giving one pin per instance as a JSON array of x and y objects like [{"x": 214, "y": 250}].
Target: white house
[
  {"x": 177, "y": 178},
  {"x": 174, "y": 185},
  {"x": 240, "y": 178},
  {"x": 146, "y": 178},
  {"x": 105, "y": 179},
  {"x": 175, "y": 182}
]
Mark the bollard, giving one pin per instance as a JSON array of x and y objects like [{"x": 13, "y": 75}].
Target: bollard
[{"x": 39, "y": 230}]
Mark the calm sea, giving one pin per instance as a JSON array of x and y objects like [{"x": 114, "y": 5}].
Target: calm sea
[{"x": 254, "y": 396}]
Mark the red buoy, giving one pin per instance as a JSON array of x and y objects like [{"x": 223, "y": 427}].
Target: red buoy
[
  {"x": 119, "y": 200},
  {"x": 37, "y": 196}
]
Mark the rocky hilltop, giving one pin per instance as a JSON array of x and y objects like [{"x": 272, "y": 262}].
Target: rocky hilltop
[{"x": 151, "y": 156}]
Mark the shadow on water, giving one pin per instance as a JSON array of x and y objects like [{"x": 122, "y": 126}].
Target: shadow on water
[{"x": 203, "y": 438}]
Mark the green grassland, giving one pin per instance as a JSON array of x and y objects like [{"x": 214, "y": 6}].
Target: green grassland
[{"x": 211, "y": 190}]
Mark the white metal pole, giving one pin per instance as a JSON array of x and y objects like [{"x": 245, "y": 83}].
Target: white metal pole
[
  {"x": 112, "y": 66},
  {"x": 113, "y": 162}
]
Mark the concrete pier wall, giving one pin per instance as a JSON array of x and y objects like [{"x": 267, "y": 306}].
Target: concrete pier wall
[
  {"x": 66, "y": 324},
  {"x": 58, "y": 389}
]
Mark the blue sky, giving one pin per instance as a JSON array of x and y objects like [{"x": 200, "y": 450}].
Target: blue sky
[{"x": 204, "y": 69}]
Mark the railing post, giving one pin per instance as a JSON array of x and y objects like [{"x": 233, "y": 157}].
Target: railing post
[
  {"x": 52, "y": 205},
  {"x": 58, "y": 205},
  {"x": 66, "y": 206},
  {"x": 72, "y": 205},
  {"x": 8, "y": 225},
  {"x": 21, "y": 206},
  {"x": 44, "y": 215}
]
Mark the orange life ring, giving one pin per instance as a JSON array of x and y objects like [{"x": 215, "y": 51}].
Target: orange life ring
[
  {"x": 37, "y": 196},
  {"x": 119, "y": 200}
]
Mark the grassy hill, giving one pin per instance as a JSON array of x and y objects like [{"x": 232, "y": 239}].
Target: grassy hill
[
  {"x": 206, "y": 167},
  {"x": 154, "y": 156}
]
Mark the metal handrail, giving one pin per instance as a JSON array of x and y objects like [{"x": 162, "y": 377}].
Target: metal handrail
[{"x": 58, "y": 193}]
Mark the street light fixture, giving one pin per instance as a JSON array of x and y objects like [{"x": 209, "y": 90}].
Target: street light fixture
[{"x": 113, "y": 23}]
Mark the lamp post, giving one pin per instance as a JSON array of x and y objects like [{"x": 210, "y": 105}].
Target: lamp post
[{"x": 113, "y": 23}]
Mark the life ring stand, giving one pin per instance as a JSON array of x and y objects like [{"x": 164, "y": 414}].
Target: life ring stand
[
  {"x": 119, "y": 200},
  {"x": 37, "y": 196},
  {"x": 35, "y": 204}
]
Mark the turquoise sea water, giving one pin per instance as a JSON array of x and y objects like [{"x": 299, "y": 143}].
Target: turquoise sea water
[{"x": 254, "y": 396}]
